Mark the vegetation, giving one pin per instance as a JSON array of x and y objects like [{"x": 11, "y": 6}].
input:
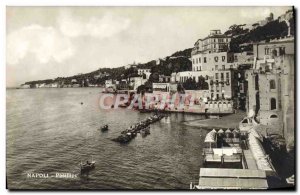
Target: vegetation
[
  {"x": 191, "y": 84},
  {"x": 180, "y": 60},
  {"x": 271, "y": 30}
]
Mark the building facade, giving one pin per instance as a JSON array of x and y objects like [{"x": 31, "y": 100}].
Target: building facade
[
  {"x": 215, "y": 42},
  {"x": 271, "y": 86}
]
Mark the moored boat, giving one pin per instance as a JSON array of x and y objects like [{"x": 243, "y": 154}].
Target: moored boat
[
  {"x": 104, "y": 128},
  {"x": 85, "y": 167}
]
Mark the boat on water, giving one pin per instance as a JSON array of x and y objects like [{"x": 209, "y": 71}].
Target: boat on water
[
  {"x": 104, "y": 128},
  {"x": 89, "y": 165},
  {"x": 145, "y": 131}
]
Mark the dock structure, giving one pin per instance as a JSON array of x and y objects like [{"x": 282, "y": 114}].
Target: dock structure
[
  {"x": 254, "y": 168},
  {"x": 249, "y": 161},
  {"x": 214, "y": 178}
]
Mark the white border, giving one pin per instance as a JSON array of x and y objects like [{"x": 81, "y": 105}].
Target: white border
[{"x": 5, "y": 3}]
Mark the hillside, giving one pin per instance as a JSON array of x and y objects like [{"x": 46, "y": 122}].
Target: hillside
[
  {"x": 179, "y": 61},
  {"x": 242, "y": 40}
]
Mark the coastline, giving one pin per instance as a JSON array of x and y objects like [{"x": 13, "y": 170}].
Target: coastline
[{"x": 228, "y": 121}]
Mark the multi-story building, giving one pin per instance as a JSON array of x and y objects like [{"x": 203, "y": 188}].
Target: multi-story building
[
  {"x": 286, "y": 16},
  {"x": 212, "y": 61},
  {"x": 211, "y": 53},
  {"x": 164, "y": 79},
  {"x": 215, "y": 42},
  {"x": 135, "y": 82},
  {"x": 142, "y": 71},
  {"x": 271, "y": 86},
  {"x": 219, "y": 83}
]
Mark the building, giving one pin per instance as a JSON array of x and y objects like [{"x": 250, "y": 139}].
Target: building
[
  {"x": 164, "y": 87},
  {"x": 211, "y": 53},
  {"x": 212, "y": 61},
  {"x": 135, "y": 82},
  {"x": 164, "y": 79},
  {"x": 214, "y": 42},
  {"x": 144, "y": 71},
  {"x": 266, "y": 20},
  {"x": 243, "y": 58},
  {"x": 110, "y": 83},
  {"x": 286, "y": 16},
  {"x": 271, "y": 86},
  {"x": 134, "y": 65}
]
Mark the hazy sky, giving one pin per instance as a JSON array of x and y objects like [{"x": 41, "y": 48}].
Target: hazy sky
[{"x": 47, "y": 42}]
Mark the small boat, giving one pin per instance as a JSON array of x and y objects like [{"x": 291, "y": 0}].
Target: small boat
[
  {"x": 145, "y": 131},
  {"x": 84, "y": 167},
  {"x": 104, "y": 128}
]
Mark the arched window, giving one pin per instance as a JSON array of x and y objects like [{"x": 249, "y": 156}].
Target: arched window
[
  {"x": 274, "y": 52},
  {"x": 272, "y": 84},
  {"x": 216, "y": 58},
  {"x": 273, "y": 116},
  {"x": 273, "y": 104}
]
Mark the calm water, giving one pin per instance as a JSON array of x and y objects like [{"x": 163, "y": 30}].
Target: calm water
[{"x": 49, "y": 131}]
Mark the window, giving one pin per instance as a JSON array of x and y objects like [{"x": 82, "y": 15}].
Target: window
[
  {"x": 256, "y": 83},
  {"x": 217, "y": 75},
  {"x": 223, "y": 67},
  {"x": 217, "y": 96},
  {"x": 199, "y": 68},
  {"x": 204, "y": 59},
  {"x": 196, "y": 60},
  {"x": 235, "y": 58},
  {"x": 273, "y": 104},
  {"x": 231, "y": 66},
  {"x": 281, "y": 50},
  {"x": 216, "y": 59},
  {"x": 216, "y": 67},
  {"x": 267, "y": 51},
  {"x": 222, "y": 76},
  {"x": 193, "y": 61},
  {"x": 199, "y": 60},
  {"x": 272, "y": 84},
  {"x": 274, "y": 52},
  {"x": 227, "y": 75},
  {"x": 223, "y": 58},
  {"x": 273, "y": 116}
]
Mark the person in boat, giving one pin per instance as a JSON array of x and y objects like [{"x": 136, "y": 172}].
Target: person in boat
[{"x": 87, "y": 162}]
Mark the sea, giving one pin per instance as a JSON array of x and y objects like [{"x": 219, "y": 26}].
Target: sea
[{"x": 49, "y": 132}]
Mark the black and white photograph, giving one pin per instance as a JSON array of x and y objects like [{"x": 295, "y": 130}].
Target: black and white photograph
[{"x": 192, "y": 98}]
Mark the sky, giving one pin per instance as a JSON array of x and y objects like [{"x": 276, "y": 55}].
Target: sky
[{"x": 50, "y": 42}]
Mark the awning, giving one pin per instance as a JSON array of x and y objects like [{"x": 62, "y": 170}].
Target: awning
[
  {"x": 210, "y": 137},
  {"x": 221, "y": 131}
]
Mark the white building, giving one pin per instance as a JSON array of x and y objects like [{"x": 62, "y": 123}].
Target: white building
[
  {"x": 135, "y": 82},
  {"x": 142, "y": 71},
  {"x": 109, "y": 84},
  {"x": 214, "y": 42},
  {"x": 164, "y": 87}
]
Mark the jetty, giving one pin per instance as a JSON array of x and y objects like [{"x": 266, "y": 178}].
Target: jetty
[
  {"x": 234, "y": 159},
  {"x": 142, "y": 127}
]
